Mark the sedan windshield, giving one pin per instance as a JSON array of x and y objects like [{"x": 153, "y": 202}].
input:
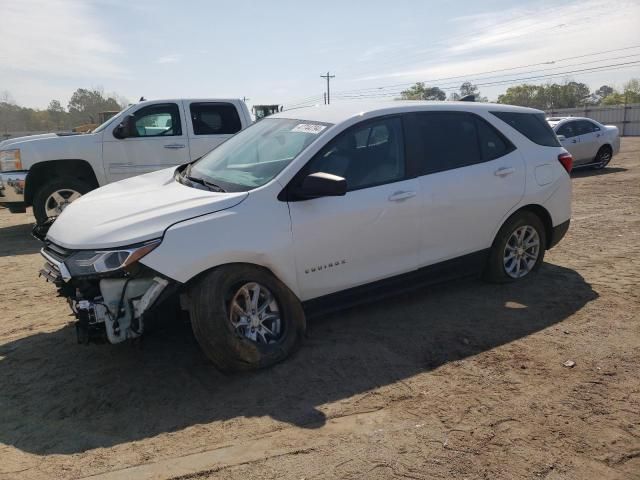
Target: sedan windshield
[{"x": 256, "y": 155}]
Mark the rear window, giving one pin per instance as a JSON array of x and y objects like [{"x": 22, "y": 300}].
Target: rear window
[
  {"x": 532, "y": 125},
  {"x": 214, "y": 118}
]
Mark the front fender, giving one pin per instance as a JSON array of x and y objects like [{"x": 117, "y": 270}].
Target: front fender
[{"x": 256, "y": 232}]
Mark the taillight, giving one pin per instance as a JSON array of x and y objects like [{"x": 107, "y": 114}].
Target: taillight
[{"x": 566, "y": 160}]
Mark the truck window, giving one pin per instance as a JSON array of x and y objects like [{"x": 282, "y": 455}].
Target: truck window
[
  {"x": 214, "y": 118},
  {"x": 160, "y": 120}
]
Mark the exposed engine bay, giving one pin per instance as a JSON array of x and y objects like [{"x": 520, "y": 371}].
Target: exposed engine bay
[{"x": 111, "y": 304}]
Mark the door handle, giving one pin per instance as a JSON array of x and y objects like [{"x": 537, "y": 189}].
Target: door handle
[
  {"x": 504, "y": 171},
  {"x": 175, "y": 146},
  {"x": 401, "y": 196},
  {"x": 574, "y": 141}
]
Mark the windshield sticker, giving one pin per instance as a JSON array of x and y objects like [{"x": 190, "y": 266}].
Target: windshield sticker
[{"x": 308, "y": 128}]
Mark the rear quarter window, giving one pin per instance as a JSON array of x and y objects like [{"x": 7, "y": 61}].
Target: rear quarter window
[{"x": 532, "y": 125}]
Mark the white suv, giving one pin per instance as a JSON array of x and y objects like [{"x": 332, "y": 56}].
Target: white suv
[{"x": 311, "y": 209}]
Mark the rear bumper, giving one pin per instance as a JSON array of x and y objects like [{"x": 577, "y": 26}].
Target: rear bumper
[
  {"x": 12, "y": 187},
  {"x": 558, "y": 232}
]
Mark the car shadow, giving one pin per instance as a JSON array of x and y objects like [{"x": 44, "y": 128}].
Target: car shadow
[
  {"x": 17, "y": 240},
  {"x": 60, "y": 397},
  {"x": 580, "y": 172}
]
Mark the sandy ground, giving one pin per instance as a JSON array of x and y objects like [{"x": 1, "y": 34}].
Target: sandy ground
[{"x": 463, "y": 380}]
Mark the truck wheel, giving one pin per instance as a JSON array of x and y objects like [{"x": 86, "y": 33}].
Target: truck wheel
[
  {"x": 53, "y": 197},
  {"x": 244, "y": 318},
  {"x": 518, "y": 249}
]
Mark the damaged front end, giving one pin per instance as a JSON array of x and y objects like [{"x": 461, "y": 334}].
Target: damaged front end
[{"x": 109, "y": 291}]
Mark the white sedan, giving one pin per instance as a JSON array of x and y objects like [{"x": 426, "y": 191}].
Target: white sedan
[{"x": 589, "y": 142}]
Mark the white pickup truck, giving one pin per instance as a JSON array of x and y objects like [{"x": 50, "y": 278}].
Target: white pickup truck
[{"x": 50, "y": 171}]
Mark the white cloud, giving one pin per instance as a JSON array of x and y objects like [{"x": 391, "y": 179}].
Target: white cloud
[
  {"x": 172, "y": 58},
  {"x": 58, "y": 38},
  {"x": 524, "y": 35}
]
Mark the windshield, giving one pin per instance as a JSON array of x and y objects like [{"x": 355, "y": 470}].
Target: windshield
[
  {"x": 112, "y": 119},
  {"x": 256, "y": 155}
]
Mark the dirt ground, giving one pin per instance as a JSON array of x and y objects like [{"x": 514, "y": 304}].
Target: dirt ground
[{"x": 463, "y": 380}]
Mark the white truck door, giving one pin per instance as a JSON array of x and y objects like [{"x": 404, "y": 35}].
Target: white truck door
[
  {"x": 210, "y": 123},
  {"x": 160, "y": 141},
  {"x": 371, "y": 232}
]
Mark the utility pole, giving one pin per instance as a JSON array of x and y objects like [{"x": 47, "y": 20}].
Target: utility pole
[
  {"x": 244, "y": 99},
  {"x": 328, "y": 77}
]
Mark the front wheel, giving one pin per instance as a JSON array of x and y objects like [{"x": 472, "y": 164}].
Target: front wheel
[
  {"x": 518, "y": 249},
  {"x": 244, "y": 318},
  {"x": 54, "y": 196}
]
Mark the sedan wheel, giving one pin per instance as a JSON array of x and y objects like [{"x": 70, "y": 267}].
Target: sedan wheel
[{"x": 602, "y": 158}]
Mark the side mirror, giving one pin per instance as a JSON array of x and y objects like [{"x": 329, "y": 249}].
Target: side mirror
[
  {"x": 562, "y": 138},
  {"x": 126, "y": 129},
  {"x": 321, "y": 184}
]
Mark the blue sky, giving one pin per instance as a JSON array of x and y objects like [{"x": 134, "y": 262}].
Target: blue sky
[{"x": 274, "y": 51}]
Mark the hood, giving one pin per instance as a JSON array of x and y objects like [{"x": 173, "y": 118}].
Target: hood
[
  {"x": 10, "y": 141},
  {"x": 51, "y": 146},
  {"x": 134, "y": 210}
]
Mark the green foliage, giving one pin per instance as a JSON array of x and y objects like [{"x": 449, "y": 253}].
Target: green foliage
[
  {"x": 84, "y": 106},
  {"x": 420, "y": 92},
  {"x": 569, "y": 95}
]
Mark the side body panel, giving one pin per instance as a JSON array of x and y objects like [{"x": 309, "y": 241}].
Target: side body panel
[
  {"x": 124, "y": 158},
  {"x": 463, "y": 206},
  {"x": 342, "y": 242}
]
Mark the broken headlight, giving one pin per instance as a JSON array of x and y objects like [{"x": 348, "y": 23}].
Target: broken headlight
[{"x": 92, "y": 262}]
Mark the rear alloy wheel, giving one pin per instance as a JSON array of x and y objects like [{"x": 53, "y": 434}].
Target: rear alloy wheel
[
  {"x": 521, "y": 251},
  {"x": 518, "y": 249},
  {"x": 603, "y": 157}
]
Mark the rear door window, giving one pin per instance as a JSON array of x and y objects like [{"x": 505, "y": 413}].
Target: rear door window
[
  {"x": 568, "y": 130},
  {"x": 534, "y": 126},
  {"x": 493, "y": 144},
  {"x": 214, "y": 118},
  {"x": 447, "y": 140},
  {"x": 584, "y": 127}
]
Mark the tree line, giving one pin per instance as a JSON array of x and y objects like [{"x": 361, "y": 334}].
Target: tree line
[
  {"x": 548, "y": 96},
  {"x": 84, "y": 107}
]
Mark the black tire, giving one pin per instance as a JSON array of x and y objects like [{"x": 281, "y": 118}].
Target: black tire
[
  {"x": 210, "y": 299},
  {"x": 603, "y": 157},
  {"x": 54, "y": 185},
  {"x": 495, "y": 270}
]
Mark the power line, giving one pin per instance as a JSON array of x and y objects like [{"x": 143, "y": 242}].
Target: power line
[
  {"x": 601, "y": 68},
  {"x": 549, "y": 62}
]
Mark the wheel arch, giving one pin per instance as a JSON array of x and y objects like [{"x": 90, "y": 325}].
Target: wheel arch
[
  {"x": 544, "y": 216},
  {"x": 41, "y": 172},
  {"x": 193, "y": 280}
]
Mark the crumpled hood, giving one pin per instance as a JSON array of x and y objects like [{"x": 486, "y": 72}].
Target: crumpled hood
[{"x": 134, "y": 210}]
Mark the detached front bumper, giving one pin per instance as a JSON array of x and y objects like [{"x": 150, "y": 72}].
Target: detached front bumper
[
  {"x": 12, "y": 187},
  {"x": 106, "y": 306}
]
